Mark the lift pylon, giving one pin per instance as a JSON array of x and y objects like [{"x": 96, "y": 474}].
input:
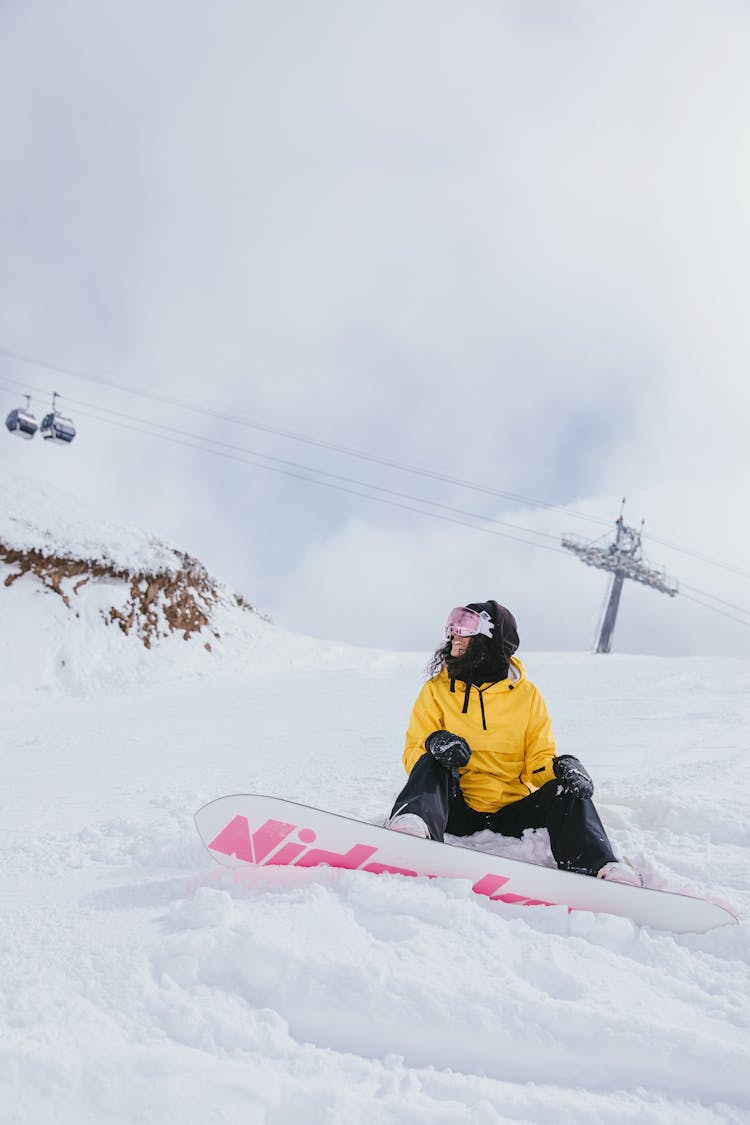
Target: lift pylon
[{"x": 623, "y": 558}]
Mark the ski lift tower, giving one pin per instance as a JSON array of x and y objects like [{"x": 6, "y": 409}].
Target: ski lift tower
[{"x": 623, "y": 558}]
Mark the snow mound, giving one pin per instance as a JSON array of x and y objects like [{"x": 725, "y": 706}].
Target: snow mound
[
  {"x": 37, "y": 517},
  {"x": 85, "y": 593}
]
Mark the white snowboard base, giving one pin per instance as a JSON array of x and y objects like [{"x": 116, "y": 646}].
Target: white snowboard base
[{"x": 249, "y": 828}]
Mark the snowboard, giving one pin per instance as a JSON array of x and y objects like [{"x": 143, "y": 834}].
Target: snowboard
[{"x": 252, "y": 829}]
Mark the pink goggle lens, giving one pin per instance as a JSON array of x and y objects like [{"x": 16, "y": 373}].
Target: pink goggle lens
[{"x": 467, "y": 623}]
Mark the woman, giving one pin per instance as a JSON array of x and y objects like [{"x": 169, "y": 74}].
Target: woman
[{"x": 480, "y": 752}]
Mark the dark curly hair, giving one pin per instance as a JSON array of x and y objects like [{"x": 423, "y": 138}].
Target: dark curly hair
[{"x": 486, "y": 659}]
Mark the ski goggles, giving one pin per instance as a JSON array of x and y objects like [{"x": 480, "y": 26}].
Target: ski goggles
[{"x": 467, "y": 623}]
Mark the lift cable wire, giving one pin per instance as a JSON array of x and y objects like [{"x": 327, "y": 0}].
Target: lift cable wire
[
  {"x": 715, "y": 609},
  {"x": 704, "y": 593},
  {"x": 339, "y": 487},
  {"x": 743, "y": 573},
  {"x": 445, "y": 478},
  {"x": 198, "y": 439},
  {"x": 351, "y": 485},
  {"x": 194, "y": 407},
  {"x": 301, "y": 472},
  {"x": 137, "y": 425},
  {"x": 390, "y": 497}
]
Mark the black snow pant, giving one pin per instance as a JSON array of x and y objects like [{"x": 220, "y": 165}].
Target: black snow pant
[{"x": 576, "y": 834}]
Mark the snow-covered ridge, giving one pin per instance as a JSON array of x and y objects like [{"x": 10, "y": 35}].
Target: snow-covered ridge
[
  {"x": 38, "y": 517},
  {"x": 84, "y": 600},
  {"x": 150, "y": 606},
  {"x": 152, "y": 589}
]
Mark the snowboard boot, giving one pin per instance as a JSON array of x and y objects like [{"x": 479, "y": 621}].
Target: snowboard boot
[
  {"x": 410, "y": 824},
  {"x": 620, "y": 871}
]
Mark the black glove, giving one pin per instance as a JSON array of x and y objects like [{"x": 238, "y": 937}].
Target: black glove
[
  {"x": 572, "y": 776},
  {"x": 450, "y": 750}
]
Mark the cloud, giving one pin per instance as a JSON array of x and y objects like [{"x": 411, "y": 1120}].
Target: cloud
[{"x": 505, "y": 243}]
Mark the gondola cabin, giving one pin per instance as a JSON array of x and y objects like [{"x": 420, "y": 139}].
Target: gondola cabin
[
  {"x": 22, "y": 422},
  {"x": 56, "y": 427}
]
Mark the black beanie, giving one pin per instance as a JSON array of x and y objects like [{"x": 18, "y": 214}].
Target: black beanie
[{"x": 494, "y": 662}]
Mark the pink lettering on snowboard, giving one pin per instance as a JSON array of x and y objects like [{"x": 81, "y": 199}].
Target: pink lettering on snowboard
[
  {"x": 270, "y": 845},
  {"x": 235, "y": 839}
]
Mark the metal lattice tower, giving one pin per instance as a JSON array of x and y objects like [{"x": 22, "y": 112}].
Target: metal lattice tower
[{"x": 623, "y": 558}]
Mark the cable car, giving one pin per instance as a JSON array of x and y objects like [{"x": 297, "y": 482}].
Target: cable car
[
  {"x": 22, "y": 422},
  {"x": 57, "y": 428}
]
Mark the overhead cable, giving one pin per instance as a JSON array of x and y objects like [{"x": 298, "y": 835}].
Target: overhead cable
[
  {"x": 346, "y": 451},
  {"x": 290, "y": 435}
]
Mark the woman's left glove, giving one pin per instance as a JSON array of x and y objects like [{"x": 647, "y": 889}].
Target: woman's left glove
[
  {"x": 572, "y": 776},
  {"x": 450, "y": 750}
]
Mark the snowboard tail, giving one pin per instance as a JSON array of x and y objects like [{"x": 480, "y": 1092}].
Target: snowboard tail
[{"x": 252, "y": 829}]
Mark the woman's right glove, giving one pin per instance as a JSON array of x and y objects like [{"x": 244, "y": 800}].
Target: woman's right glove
[{"x": 450, "y": 750}]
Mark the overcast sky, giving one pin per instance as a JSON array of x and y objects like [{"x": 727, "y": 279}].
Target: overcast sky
[{"x": 504, "y": 242}]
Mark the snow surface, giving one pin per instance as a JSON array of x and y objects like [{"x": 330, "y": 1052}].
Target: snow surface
[
  {"x": 36, "y": 516},
  {"x": 141, "y": 982}
]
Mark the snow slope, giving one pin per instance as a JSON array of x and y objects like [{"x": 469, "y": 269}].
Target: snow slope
[{"x": 143, "y": 983}]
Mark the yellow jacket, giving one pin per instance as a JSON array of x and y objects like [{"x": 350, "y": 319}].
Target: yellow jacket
[{"x": 507, "y": 726}]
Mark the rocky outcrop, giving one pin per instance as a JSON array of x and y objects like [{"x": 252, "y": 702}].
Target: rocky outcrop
[{"x": 147, "y": 606}]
